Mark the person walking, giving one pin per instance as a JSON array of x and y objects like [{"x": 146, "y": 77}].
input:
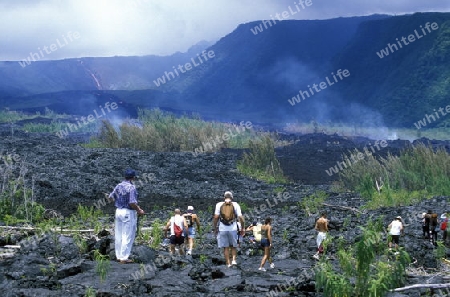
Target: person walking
[
  {"x": 434, "y": 228},
  {"x": 225, "y": 226},
  {"x": 322, "y": 228},
  {"x": 425, "y": 227},
  {"x": 428, "y": 225},
  {"x": 178, "y": 227},
  {"x": 191, "y": 218},
  {"x": 266, "y": 243},
  {"x": 444, "y": 226},
  {"x": 395, "y": 228},
  {"x": 125, "y": 200}
]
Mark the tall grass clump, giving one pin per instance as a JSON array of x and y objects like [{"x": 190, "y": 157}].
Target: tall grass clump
[
  {"x": 418, "y": 172},
  {"x": 159, "y": 131},
  {"x": 366, "y": 269},
  {"x": 261, "y": 162},
  {"x": 17, "y": 201},
  {"x": 10, "y": 116}
]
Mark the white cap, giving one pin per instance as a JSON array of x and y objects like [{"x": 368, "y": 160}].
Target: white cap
[
  {"x": 190, "y": 207},
  {"x": 228, "y": 194}
]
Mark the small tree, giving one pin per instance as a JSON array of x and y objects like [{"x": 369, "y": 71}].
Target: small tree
[{"x": 366, "y": 269}]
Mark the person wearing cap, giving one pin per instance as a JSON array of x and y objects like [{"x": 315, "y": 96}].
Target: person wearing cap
[
  {"x": 395, "y": 228},
  {"x": 125, "y": 200},
  {"x": 191, "y": 218},
  {"x": 227, "y": 234}
]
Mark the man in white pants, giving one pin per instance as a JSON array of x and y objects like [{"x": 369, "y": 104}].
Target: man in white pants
[
  {"x": 125, "y": 197},
  {"x": 322, "y": 228}
]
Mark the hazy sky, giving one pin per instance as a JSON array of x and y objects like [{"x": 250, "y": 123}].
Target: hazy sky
[{"x": 81, "y": 28}]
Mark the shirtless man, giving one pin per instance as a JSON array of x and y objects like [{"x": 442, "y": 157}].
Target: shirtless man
[{"x": 322, "y": 228}]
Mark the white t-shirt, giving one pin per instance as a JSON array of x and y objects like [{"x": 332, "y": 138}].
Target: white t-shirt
[
  {"x": 177, "y": 219},
  {"x": 396, "y": 227},
  {"x": 232, "y": 227}
]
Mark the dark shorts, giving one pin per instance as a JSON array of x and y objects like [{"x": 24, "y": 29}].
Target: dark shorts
[
  {"x": 265, "y": 242},
  {"x": 395, "y": 238},
  {"x": 175, "y": 240}
]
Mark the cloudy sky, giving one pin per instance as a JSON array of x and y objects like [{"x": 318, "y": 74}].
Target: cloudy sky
[{"x": 81, "y": 28}]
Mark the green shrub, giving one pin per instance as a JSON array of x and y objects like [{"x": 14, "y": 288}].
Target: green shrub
[
  {"x": 9, "y": 116},
  {"x": 312, "y": 203},
  {"x": 103, "y": 265},
  {"x": 17, "y": 203},
  {"x": 261, "y": 162},
  {"x": 367, "y": 268},
  {"x": 156, "y": 233}
]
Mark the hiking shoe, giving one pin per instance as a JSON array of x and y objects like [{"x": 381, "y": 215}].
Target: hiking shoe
[
  {"x": 229, "y": 265},
  {"x": 316, "y": 256},
  {"x": 233, "y": 262},
  {"x": 262, "y": 269},
  {"x": 272, "y": 266}
]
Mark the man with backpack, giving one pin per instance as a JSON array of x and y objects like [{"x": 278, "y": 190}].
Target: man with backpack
[
  {"x": 191, "y": 218},
  {"x": 178, "y": 227},
  {"x": 225, "y": 226}
]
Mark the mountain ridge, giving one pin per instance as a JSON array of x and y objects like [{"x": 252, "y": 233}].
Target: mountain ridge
[{"x": 255, "y": 77}]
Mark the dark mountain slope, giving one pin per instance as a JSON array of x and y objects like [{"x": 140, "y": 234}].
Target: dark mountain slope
[
  {"x": 411, "y": 80},
  {"x": 252, "y": 76}
]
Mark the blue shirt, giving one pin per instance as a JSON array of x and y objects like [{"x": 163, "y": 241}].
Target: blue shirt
[{"x": 124, "y": 194}]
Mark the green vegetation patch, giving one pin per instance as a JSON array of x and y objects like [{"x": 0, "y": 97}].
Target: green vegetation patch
[
  {"x": 418, "y": 172},
  {"x": 367, "y": 268}
]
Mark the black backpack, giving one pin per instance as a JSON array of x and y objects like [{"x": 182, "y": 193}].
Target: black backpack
[{"x": 189, "y": 220}]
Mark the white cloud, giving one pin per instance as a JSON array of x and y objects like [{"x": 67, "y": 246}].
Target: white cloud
[{"x": 140, "y": 27}]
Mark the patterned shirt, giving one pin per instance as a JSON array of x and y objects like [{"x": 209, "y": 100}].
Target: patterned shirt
[{"x": 124, "y": 194}]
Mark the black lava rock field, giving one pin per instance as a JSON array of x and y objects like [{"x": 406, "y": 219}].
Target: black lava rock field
[{"x": 63, "y": 174}]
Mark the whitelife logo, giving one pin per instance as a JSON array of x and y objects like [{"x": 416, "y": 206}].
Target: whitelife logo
[
  {"x": 90, "y": 118},
  {"x": 411, "y": 38},
  {"x": 423, "y": 122},
  {"x": 188, "y": 66},
  {"x": 33, "y": 57},
  {"x": 284, "y": 15},
  {"x": 355, "y": 157},
  {"x": 210, "y": 144},
  {"x": 322, "y": 85}
]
